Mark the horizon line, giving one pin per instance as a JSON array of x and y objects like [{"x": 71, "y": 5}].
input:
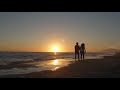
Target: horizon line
[{"x": 38, "y": 52}]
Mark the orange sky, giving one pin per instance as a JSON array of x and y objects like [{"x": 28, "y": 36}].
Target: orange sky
[{"x": 42, "y": 31}]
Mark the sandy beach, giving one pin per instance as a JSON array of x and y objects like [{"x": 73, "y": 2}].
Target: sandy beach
[{"x": 109, "y": 67}]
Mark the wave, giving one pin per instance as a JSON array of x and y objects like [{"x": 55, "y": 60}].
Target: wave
[{"x": 19, "y": 57}]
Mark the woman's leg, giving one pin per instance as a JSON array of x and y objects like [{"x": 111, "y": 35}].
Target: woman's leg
[{"x": 83, "y": 55}]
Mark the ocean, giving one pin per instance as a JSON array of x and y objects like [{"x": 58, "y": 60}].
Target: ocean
[{"x": 15, "y": 62}]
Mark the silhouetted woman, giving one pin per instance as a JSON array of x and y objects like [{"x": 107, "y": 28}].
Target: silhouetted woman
[{"x": 82, "y": 51}]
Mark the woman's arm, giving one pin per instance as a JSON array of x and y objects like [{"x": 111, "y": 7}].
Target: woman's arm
[{"x": 85, "y": 51}]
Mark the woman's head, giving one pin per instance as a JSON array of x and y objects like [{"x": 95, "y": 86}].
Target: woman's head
[{"x": 82, "y": 45}]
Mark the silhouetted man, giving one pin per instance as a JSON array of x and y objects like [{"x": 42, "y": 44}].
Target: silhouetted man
[
  {"x": 77, "y": 48},
  {"x": 82, "y": 51}
]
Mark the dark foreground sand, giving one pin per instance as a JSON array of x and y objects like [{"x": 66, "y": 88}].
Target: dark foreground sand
[{"x": 109, "y": 67}]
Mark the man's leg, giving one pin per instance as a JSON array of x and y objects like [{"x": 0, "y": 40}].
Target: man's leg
[
  {"x": 75, "y": 56},
  {"x": 78, "y": 57}
]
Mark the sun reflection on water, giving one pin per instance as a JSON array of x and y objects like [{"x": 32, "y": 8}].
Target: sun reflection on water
[
  {"x": 56, "y": 62},
  {"x": 55, "y": 53}
]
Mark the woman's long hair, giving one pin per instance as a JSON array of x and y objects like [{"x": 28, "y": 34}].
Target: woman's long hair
[{"x": 83, "y": 46}]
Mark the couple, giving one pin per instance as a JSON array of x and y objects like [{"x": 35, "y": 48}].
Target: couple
[{"x": 81, "y": 49}]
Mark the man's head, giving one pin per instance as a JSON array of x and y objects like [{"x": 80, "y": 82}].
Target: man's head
[{"x": 76, "y": 43}]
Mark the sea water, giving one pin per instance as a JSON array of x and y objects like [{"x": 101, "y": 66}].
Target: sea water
[{"x": 41, "y": 60}]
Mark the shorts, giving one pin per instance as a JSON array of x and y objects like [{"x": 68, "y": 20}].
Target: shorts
[{"x": 76, "y": 52}]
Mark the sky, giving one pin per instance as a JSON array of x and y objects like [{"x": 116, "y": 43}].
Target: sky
[{"x": 42, "y": 31}]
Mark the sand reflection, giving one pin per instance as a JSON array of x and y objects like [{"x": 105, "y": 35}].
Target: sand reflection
[{"x": 54, "y": 69}]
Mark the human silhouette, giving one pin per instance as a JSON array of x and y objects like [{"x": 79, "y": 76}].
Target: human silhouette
[
  {"x": 77, "y": 48},
  {"x": 82, "y": 51}
]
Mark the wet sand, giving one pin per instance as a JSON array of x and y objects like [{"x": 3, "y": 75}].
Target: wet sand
[{"x": 109, "y": 67}]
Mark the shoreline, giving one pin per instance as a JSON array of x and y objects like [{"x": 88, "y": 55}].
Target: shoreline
[{"x": 108, "y": 67}]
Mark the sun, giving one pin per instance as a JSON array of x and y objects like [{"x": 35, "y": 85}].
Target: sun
[{"x": 55, "y": 49}]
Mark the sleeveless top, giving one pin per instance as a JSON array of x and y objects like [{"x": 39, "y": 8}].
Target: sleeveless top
[{"x": 82, "y": 48}]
